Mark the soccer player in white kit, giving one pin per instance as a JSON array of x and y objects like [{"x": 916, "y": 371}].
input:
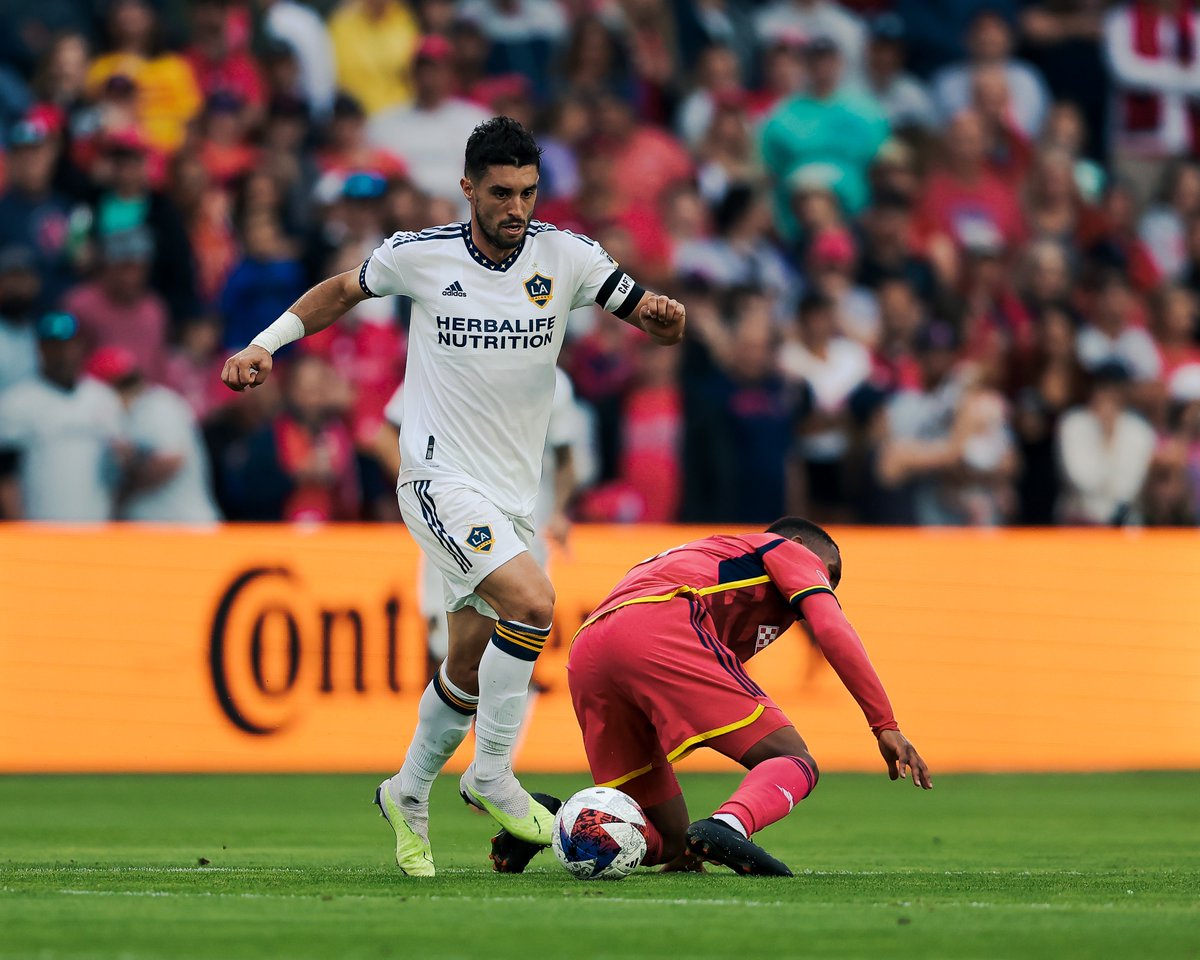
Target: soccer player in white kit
[{"x": 490, "y": 300}]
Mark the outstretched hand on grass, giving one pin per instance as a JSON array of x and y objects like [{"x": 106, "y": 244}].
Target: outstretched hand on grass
[{"x": 902, "y": 758}]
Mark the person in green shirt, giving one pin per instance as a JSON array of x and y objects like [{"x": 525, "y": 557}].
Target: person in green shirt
[{"x": 829, "y": 127}]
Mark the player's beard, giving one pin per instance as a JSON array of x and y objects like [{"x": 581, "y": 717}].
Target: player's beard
[{"x": 501, "y": 240}]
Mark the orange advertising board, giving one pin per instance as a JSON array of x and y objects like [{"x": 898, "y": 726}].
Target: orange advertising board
[{"x": 283, "y": 648}]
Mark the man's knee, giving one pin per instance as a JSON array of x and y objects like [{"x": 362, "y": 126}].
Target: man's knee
[
  {"x": 533, "y": 605},
  {"x": 463, "y": 671}
]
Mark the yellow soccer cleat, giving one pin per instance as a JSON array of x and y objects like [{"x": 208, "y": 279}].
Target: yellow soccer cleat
[
  {"x": 535, "y": 826},
  {"x": 414, "y": 856}
]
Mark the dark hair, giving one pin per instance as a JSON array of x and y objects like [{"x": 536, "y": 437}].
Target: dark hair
[
  {"x": 501, "y": 141},
  {"x": 812, "y": 302},
  {"x": 811, "y": 533}
]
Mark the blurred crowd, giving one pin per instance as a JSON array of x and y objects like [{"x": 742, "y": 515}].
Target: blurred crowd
[{"x": 941, "y": 259}]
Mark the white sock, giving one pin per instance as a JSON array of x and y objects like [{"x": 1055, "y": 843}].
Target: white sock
[
  {"x": 504, "y": 675},
  {"x": 730, "y": 820},
  {"x": 443, "y": 719}
]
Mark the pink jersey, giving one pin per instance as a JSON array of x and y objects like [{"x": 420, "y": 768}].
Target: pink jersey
[{"x": 753, "y": 587}]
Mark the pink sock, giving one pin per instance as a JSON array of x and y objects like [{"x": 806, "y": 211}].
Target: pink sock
[{"x": 770, "y": 791}]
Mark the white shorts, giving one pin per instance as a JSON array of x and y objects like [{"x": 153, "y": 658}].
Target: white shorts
[{"x": 463, "y": 534}]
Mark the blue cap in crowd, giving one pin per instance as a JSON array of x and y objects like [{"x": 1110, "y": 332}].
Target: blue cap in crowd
[
  {"x": 364, "y": 186},
  {"x": 57, "y": 325}
]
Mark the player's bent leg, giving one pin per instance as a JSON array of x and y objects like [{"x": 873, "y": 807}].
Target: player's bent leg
[
  {"x": 521, "y": 594},
  {"x": 782, "y": 773}
]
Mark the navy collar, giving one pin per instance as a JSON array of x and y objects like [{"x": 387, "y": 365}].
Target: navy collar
[{"x": 483, "y": 259}]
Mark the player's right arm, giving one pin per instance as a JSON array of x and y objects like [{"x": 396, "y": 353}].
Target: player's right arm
[{"x": 316, "y": 309}]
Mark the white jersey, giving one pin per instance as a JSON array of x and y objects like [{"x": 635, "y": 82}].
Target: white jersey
[{"x": 483, "y": 345}]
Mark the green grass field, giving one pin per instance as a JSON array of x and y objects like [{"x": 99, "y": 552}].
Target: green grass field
[{"x": 300, "y": 866}]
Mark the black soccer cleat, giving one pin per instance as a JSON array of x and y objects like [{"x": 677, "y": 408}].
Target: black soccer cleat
[
  {"x": 511, "y": 854},
  {"x": 718, "y": 842}
]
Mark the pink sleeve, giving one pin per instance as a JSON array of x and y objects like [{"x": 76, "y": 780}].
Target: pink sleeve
[{"x": 845, "y": 653}]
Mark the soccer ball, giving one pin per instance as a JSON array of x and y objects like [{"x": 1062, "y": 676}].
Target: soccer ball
[{"x": 600, "y": 834}]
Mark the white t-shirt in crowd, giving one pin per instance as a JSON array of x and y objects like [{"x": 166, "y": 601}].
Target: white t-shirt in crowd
[
  {"x": 68, "y": 469},
  {"x": 430, "y": 141},
  {"x": 159, "y": 421},
  {"x": 1102, "y": 475},
  {"x": 832, "y": 379},
  {"x": 1133, "y": 347}
]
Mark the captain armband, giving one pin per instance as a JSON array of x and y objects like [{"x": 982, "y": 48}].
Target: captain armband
[{"x": 620, "y": 294}]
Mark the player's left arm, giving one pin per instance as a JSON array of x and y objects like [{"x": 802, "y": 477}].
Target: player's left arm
[
  {"x": 606, "y": 284},
  {"x": 844, "y": 650}
]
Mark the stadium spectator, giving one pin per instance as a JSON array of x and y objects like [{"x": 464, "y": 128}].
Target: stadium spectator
[
  {"x": 1110, "y": 335},
  {"x": 166, "y": 478},
  {"x": 524, "y": 36},
  {"x": 725, "y": 23},
  {"x": 1046, "y": 277},
  {"x": 887, "y": 246},
  {"x": 1150, "y": 47},
  {"x": 118, "y": 308},
  {"x": 1110, "y": 236},
  {"x": 989, "y": 43},
  {"x": 194, "y": 365},
  {"x": 595, "y": 59},
  {"x": 919, "y": 453},
  {"x": 784, "y": 75},
  {"x": 740, "y": 254},
  {"x": 168, "y": 96},
  {"x": 1052, "y": 205},
  {"x": 223, "y": 147},
  {"x": 1062, "y": 41},
  {"x": 1007, "y": 147},
  {"x": 837, "y": 129},
  {"x": 741, "y": 422},
  {"x": 20, "y": 287},
  {"x": 301, "y": 30},
  {"x": 348, "y": 148},
  {"x": 809, "y": 19},
  {"x": 831, "y": 366},
  {"x": 905, "y": 100},
  {"x": 1105, "y": 450},
  {"x": 830, "y": 271},
  {"x": 962, "y": 198},
  {"x": 649, "y": 159},
  {"x": 652, "y": 436},
  {"x": 61, "y": 444},
  {"x": 726, "y": 156},
  {"x": 222, "y": 65},
  {"x": 265, "y": 282},
  {"x": 718, "y": 79},
  {"x": 374, "y": 42},
  {"x": 1163, "y": 227},
  {"x": 1176, "y": 330},
  {"x": 567, "y": 125},
  {"x": 128, "y": 201},
  {"x": 427, "y": 133},
  {"x": 1047, "y": 383},
  {"x": 32, "y": 213}
]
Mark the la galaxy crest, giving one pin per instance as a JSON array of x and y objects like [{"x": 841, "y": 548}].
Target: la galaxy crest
[
  {"x": 539, "y": 288},
  {"x": 480, "y": 538}
]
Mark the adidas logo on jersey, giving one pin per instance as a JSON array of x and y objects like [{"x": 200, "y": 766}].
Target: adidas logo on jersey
[{"x": 454, "y": 290}]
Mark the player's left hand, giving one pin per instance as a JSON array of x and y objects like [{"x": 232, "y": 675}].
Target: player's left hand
[
  {"x": 686, "y": 862},
  {"x": 662, "y": 318},
  {"x": 901, "y": 758}
]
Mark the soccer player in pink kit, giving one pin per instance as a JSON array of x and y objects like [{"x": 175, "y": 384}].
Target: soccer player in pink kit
[{"x": 657, "y": 671}]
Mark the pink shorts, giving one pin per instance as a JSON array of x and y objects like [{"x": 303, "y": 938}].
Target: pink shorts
[{"x": 650, "y": 682}]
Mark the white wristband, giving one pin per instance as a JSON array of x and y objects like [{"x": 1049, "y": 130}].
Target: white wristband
[{"x": 283, "y": 331}]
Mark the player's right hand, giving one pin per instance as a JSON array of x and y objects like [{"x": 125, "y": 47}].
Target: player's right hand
[
  {"x": 249, "y": 368},
  {"x": 901, "y": 756}
]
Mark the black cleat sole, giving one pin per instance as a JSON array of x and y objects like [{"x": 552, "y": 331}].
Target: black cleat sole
[
  {"x": 511, "y": 854},
  {"x": 717, "y": 842}
]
